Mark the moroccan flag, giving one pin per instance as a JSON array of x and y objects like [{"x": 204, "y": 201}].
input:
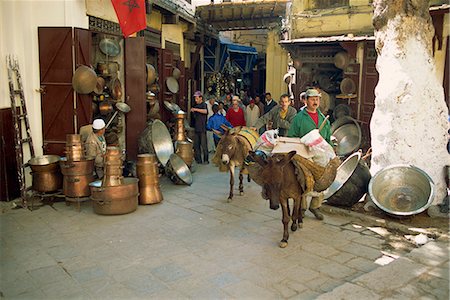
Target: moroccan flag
[{"x": 131, "y": 15}]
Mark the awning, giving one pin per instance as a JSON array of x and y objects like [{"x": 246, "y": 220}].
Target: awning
[
  {"x": 328, "y": 39},
  {"x": 249, "y": 14},
  {"x": 240, "y": 56},
  {"x": 240, "y": 49}
]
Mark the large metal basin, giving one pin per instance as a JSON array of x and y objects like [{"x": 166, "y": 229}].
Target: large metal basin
[
  {"x": 402, "y": 190},
  {"x": 115, "y": 200},
  {"x": 351, "y": 183},
  {"x": 347, "y": 132},
  {"x": 162, "y": 142},
  {"x": 178, "y": 171}
]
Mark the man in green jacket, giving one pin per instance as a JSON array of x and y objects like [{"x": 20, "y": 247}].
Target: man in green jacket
[
  {"x": 306, "y": 120},
  {"x": 279, "y": 117}
]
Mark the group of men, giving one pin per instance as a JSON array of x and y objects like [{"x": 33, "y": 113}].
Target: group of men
[{"x": 282, "y": 116}]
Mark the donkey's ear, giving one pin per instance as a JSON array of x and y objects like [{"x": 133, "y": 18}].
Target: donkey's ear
[
  {"x": 237, "y": 129},
  {"x": 258, "y": 159},
  {"x": 287, "y": 158}
]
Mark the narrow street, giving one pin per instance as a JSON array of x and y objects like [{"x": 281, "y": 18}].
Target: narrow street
[{"x": 196, "y": 245}]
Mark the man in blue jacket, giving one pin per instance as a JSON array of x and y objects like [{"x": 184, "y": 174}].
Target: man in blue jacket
[{"x": 215, "y": 122}]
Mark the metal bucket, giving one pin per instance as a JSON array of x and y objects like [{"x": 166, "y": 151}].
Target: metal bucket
[
  {"x": 115, "y": 200},
  {"x": 402, "y": 190},
  {"x": 352, "y": 179},
  {"x": 185, "y": 151}
]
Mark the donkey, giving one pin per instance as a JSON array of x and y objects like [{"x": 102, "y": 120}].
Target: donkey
[
  {"x": 277, "y": 175},
  {"x": 232, "y": 150}
]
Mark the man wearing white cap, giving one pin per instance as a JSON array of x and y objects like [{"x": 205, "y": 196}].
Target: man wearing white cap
[
  {"x": 153, "y": 107},
  {"x": 95, "y": 145}
]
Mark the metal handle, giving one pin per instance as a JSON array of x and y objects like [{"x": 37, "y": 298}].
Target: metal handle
[
  {"x": 72, "y": 180},
  {"x": 67, "y": 166},
  {"x": 100, "y": 201},
  {"x": 112, "y": 118}
]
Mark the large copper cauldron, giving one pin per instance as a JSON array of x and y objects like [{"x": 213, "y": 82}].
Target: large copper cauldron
[
  {"x": 46, "y": 173},
  {"x": 115, "y": 200},
  {"x": 77, "y": 176},
  {"x": 74, "y": 147},
  {"x": 185, "y": 151},
  {"x": 147, "y": 172}
]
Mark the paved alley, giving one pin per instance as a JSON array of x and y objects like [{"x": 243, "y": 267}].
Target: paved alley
[{"x": 195, "y": 245}]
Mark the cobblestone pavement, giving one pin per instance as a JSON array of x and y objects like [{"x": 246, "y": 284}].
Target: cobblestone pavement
[{"x": 196, "y": 245}]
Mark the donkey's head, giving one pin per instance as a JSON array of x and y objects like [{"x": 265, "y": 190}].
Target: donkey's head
[
  {"x": 229, "y": 145},
  {"x": 273, "y": 175}
]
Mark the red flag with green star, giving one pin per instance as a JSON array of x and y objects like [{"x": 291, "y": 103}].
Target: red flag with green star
[{"x": 131, "y": 15}]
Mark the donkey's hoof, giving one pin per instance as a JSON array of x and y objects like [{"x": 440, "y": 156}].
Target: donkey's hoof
[
  {"x": 241, "y": 193},
  {"x": 300, "y": 225},
  {"x": 283, "y": 244},
  {"x": 294, "y": 227},
  {"x": 229, "y": 199}
]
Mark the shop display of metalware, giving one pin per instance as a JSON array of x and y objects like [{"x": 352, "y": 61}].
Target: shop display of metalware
[
  {"x": 74, "y": 168},
  {"x": 105, "y": 107},
  {"x": 115, "y": 200},
  {"x": 73, "y": 139},
  {"x": 178, "y": 171},
  {"x": 185, "y": 151},
  {"x": 147, "y": 171},
  {"x": 154, "y": 87},
  {"x": 151, "y": 74},
  {"x": 115, "y": 87},
  {"x": 351, "y": 182},
  {"x": 348, "y": 134},
  {"x": 74, "y": 153},
  {"x": 77, "y": 186},
  {"x": 172, "y": 85},
  {"x": 161, "y": 141},
  {"x": 109, "y": 46},
  {"x": 180, "y": 134},
  {"x": 84, "y": 80},
  {"x": 102, "y": 68},
  {"x": 113, "y": 167},
  {"x": 46, "y": 173},
  {"x": 324, "y": 102},
  {"x": 402, "y": 190}
]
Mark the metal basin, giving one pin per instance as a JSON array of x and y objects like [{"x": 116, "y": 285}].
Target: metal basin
[
  {"x": 162, "y": 142},
  {"x": 178, "y": 171},
  {"x": 115, "y": 200},
  {"x": 402, "y": 190},
  {"x": 351, "y": 182},
  {"x": 347, "y": 132}
]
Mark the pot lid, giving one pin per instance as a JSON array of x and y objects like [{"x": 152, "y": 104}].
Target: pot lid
[
  {"x": 172, "y": 85},
  {"x": 176, "y": 73},
  {"x": 151, "y": 74},
  {"x": 162, "y": 141},
  {"x": 109, "y": 47},
  {"x": 84, "y": 80},
  {"x": 173, "y": 107},
  {"x": 341, "y": 60},
  {"x": 348, "y": 86},
  {"x": 123, "y": 107}
]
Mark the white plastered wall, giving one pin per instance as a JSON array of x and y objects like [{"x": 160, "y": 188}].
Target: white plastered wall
[{"x": 19, "y": 22}]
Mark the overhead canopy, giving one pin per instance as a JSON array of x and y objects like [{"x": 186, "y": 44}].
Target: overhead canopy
[
  {"x": 240, "y": 56},
  {"x": 236, "y": 15}
]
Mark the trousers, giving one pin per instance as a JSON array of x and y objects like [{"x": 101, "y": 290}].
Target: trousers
[{"x": 200, "y": 146}]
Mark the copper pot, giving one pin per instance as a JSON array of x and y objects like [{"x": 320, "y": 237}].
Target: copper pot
[
  {"x": 115, "y": 87},
  {"x": 102, "y": 68},
  {"x": 115, "y": 200},
  {"x": 150, "y": 195},
  {"x": 46, "y": 173},
  {"x": 112, "y": 180},
  {"x": 78, "y": 185},
  {"x": 73, "y": 168},
  {"x": 185, "y": 152},
  {"x": 113, "y": 171},
  {"x": 113, "y": 68},
  {"x": 111, "y": 150},
  {"x": 180, "y": 134},
  {"x": 74, "y": 153},
  {"x": 147, "y": 158}
]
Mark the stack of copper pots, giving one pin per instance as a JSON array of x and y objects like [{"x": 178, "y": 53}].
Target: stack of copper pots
[
  {"x": 185, "y": 151},
  {"x": 147, "y": 171},
  {"x": 74, "y": 148},
  {"x": 113, "y": 167},
  {"x": 78, "y": 171},
  {"x": 180, "y": 135},
  {"x": 46, "y": 173}
]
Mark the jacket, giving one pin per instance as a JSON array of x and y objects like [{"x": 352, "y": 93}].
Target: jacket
[
  {"x": 215, "y": 121},
  {"x": 274, "y": 116},
  {"x": 302, "y": 124},
  {"x": 94, "y": 147}
]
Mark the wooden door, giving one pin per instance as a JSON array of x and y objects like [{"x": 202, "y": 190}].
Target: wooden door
[
  {"x": 182, "y": 95},
  {"x": 83, "y": 42},
  {"x": 135, "y": 83},
  {"x": 57, "y": 102},
  {"x": 352, "y": 72},
  {"x": 9, "y": 182}
]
